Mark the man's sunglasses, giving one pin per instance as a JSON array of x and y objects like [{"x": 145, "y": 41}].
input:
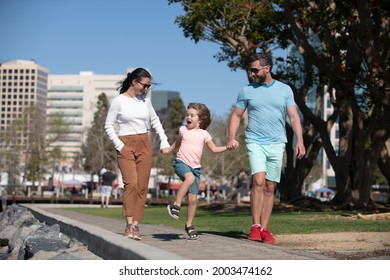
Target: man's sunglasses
[
  {"x": 256, "y": 70},
  {"x": 146, "y": 86}
]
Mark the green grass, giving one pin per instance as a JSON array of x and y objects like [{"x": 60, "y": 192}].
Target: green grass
[{"x": 236, "y": 223}]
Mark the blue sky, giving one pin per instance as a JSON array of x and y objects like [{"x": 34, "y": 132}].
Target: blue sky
[{"x": 107, "y": 37}]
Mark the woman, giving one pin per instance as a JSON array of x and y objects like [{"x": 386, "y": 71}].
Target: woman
[{"x": 134, "y": 112}]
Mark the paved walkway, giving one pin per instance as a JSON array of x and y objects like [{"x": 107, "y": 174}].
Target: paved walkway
[{"x": 104, "y": 238}]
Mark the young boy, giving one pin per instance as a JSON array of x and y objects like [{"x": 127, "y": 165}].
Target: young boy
[{"x": 192, "y": 138}]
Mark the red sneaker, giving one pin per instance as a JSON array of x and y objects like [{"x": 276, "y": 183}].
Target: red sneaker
[
  {"x": 266, "y": 236},
  {"x": 255, "y": 233}
]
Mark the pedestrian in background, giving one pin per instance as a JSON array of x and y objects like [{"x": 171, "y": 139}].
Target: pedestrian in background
[
  {"x": 135, "y": 115},
  {"x": 108, "y": 179},
  {"x": 267, "y": 102},
  {"x": 192, "y": 138}
]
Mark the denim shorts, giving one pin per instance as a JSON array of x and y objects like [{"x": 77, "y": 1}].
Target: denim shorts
[
  {"x": 181, "y": 168},
  {"x": 106, "y": 190},
  {"x": 266, "y": 158}
]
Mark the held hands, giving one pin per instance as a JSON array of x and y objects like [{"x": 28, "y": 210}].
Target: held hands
[
  {"x": 166, "y": 151},
  {"x": 232, "y": 144}
]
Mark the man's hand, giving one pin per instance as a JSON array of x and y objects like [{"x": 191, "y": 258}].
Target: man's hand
[
  {"x": 232, "y": 144},
  {"x": 300, "y": 150}
]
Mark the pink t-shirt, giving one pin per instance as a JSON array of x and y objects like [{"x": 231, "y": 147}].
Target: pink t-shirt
[{"x": 191, "y": 147}]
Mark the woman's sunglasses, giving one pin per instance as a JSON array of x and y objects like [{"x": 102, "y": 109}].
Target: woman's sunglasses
[{"x": 146, "y": 86}]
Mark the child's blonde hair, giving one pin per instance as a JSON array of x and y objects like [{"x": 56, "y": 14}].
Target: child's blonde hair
[{"x": 203, "y": 114}]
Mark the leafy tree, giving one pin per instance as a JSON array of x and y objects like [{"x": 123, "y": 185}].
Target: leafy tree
[
  {"x": 10, "y": 153},
  {"x": 98, "y": 149},
  {"x": 33, "y": 126},
  {"x": 57, "y": 128},
  {"x": 240, "y": 27},
  {"x": 352, "y": 58}
]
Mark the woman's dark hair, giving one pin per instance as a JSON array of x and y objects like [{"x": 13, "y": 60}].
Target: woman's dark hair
[
  {"x": 137, "y": 75},
  {"x": 203, "y": 114}
]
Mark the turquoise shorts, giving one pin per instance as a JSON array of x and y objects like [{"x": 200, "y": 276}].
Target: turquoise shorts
[
  {"x": 181, "y": 168},
  {"x": 266, "y": 158}
]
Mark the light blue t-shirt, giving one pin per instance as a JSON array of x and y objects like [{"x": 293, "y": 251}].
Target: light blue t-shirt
[{"x": 267, "y": 107}]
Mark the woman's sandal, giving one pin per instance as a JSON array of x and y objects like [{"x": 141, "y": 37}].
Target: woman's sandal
[
  {"x": 174, "y": 211},
  {"x": 192, "y": 233}
]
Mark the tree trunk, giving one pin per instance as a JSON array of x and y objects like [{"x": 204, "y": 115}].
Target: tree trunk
[
  {"x": 384, "y": 161},
  {"x": 343, "y": 164},
  {"x": 296, "y": 170}
]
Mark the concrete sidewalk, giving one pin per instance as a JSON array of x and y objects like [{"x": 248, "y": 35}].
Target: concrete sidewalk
[{"x": 103, "y": 236}]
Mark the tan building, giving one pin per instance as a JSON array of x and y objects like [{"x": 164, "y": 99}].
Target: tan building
[{"x": 23, "y": 83}]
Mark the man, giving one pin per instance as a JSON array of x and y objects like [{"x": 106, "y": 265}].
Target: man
[
  {"x": 267, "y": 101},
  {"x": 107, "y": 179}
]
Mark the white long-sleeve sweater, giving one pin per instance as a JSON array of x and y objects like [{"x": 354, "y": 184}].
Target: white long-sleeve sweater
[{"x": 134, "y": 116}]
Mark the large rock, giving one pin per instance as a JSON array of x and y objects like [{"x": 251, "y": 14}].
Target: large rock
[{"x": 24, "y": 237}]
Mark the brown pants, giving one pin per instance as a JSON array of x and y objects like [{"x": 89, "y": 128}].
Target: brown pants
[{"x": 135, "y": 163}]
